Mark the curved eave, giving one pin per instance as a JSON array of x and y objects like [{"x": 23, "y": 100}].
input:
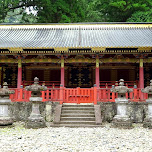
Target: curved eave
[{"x": 66, "y": 49}]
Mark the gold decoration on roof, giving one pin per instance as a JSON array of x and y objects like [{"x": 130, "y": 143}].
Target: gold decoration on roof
[
  {"x": 144, "y": 49},
  {"x": 98, "y": 49},
  {"x": 60, "y": 49},
  {"x": 16, "y": 49}
]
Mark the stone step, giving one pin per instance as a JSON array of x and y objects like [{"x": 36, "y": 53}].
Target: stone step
[
  {"x": 78, "y": 122},
  {"x": 75, "y": 125},
  {"x": 77, "y": 118},
  {"x": 77, "y": 111},
  {"x": 77, "y": 105},
  {"x": 78, "y": 108},
  {"x": 77, "y": 115}
]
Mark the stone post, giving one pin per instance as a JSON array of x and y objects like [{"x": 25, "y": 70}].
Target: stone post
[
  {"x": 148, "y": 120},
  {"x": 35, "y": 120},
  {"x": 5, "y": 119},
  {"x": 121, "y": 119}
]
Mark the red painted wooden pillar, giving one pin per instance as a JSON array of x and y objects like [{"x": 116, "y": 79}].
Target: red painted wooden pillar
[
  {"x": 97, "y": 73},
  {"x": 141, "y": 74},
  {"x": 141, "y": 77},
  {"x": 62, "y": 71},
  {"x": 95, "y": 95},
  {"x": 61, "y": 94},
  {"x": 19, "y": 78}
]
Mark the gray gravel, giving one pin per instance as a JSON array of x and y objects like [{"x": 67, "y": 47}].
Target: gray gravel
[{"x": 106, "y": 139}]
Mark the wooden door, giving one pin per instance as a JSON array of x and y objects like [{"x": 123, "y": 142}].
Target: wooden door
[
  {"x": 39, "y": 74},
  {"x": 55, "y": 75},
  {"x": 123, "y": 74}
]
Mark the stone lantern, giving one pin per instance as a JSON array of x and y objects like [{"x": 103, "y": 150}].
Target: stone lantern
[
  {"x": 148, "y": 119},
  {"x": 121, "y": 119},
  {"x": 5, "y": 119},
  {"x": 36, "y": 120}
]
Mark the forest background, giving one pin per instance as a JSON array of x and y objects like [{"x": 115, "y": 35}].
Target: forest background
[{"x": 73, "y": 11}]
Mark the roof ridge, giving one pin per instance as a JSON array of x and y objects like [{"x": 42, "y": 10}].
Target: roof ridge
[
  {"x": 79, "y": 23},
  {"x": 75, "y": 27}
]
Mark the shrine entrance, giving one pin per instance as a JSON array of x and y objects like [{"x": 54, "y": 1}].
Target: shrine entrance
[{"x": 80, "y": 76}]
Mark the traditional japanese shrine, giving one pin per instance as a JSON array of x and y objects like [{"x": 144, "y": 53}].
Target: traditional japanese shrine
[{"x": 75, "y": 57}]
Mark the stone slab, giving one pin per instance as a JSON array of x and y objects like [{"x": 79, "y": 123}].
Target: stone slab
[
  {"x": 35, "y": 99},
  {"x": 4, "y": 121},
  {"x": 57, "y": 114},
  {"x": 121, "y": 122},
  {"x": 5, "y": 101},
  {"x": 121, "y": 100},
  {"x": 98, "y": 118},
  {"x": 35, "y": 123}
]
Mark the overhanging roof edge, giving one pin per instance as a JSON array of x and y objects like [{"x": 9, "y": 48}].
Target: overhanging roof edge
[
  {"x": 104, "y": 25},
  {"x": 65, "y": 48}
]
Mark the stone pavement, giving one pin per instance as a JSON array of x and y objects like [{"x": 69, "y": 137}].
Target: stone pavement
[{"x": 105, "y": 139}]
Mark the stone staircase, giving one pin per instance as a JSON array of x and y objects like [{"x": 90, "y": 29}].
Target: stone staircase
[{"x": 70, "y": 115}]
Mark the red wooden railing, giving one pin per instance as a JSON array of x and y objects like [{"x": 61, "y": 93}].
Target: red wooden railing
[
  {"x": 105, "y": 95},
  {"x": 78, "y": 95},
  {"x": 49, "y": 84},
  {"x": 108, "y": 84},
  {"x": 21, "y": 95},
  {"x": 51, "y": 94}
]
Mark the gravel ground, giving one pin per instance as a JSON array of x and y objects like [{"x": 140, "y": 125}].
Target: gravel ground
[{"x": 106, "y": 139}]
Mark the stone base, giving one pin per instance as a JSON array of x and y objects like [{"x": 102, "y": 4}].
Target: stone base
[
  {"x": 4, "y": 121},
  {"x": 147, "y": 123},
  {"x": 122, "y": 122},
  {"x": 35, "y": 123}
]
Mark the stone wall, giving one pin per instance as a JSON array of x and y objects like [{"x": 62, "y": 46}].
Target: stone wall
[
  {"x": 137, "y": 111},
  {"x": 20, "y": 111}
]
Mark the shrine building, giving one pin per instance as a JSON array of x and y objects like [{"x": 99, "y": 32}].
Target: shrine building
[{"x": 76, "y": 55}]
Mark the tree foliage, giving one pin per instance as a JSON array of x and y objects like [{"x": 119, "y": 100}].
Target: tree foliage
[
  {"x": 141, "y": 17},
  {"x": 60, "y": 11},
  {"x": 15, "y": 9},
  {"x": 70, "y": 11}
]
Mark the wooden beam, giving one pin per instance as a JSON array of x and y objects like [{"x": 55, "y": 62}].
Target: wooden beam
[
  {"x": 124, "y": 60},
  {"x": 34, "y": 60},
  {"x": 8, "y": 61}
]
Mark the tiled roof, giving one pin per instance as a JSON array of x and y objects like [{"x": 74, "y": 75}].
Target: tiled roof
[{"x": 51, "y": 36}]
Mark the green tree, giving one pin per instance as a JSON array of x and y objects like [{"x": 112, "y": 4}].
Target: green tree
[
  {"x": 70, "y": 11},
  {"x": 11, "y": 10},
  {"x": 141, "y": 17},
  {"x": 92, "y": 10},
  {"x": 120, "y": 10},
  {"x": 60, "y": 11}
]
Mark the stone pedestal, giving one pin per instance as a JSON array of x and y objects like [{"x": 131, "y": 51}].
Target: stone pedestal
[
  {"x": 121, "y": 119},
  {"x": 5, "y": 119},
  {"x": 35, "y": 120},
  {"x": 148, "y": 120}
]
